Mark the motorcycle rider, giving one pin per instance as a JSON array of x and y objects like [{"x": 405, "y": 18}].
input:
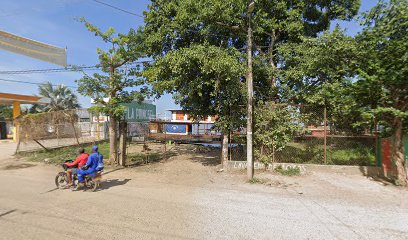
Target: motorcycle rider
[
  {"x": 94, "y": 164},
  {"x": 78, "y": 162}
]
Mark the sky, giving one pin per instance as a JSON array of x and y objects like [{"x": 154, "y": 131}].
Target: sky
[{"x": 54, "y": 22}]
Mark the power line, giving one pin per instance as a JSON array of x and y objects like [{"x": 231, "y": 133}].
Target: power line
[
  {"x": 138, "y": 15},
  {"x": 50, "y": 70},
  {"x": 119, "y": 9},
  {"x": 33, "y": 83},
  {"x": 71, "y": 69}
]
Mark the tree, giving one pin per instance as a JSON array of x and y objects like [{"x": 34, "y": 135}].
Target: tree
[
  {"x": 275, "y": 127},
  {"x": 319, "y": 72},
  {"x": 174, "y": 25},
  {"x": 205, "y": 80},
  {"x": 383, "y": 69},
  {"x": 114, "y": 87},
  {"x": 62, "y": 98}
]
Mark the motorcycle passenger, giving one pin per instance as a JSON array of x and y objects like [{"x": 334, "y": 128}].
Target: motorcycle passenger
[
  {"x": 91, "y": 166},
  {"x": 79, "y": 162}
]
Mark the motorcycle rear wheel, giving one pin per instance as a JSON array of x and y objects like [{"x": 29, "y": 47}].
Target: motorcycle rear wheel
[{"x": 92, "y": 185}]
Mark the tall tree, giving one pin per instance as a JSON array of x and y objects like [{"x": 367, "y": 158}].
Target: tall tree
[
  {"x": 382, "y": 79},
  {"x": 62, "y": 98},
  {"x": 205, "y": 80},
  {"x": 177, "y": 24},
  {"x": 319, "y": 72},
  {"x": 114, "y": 87}
]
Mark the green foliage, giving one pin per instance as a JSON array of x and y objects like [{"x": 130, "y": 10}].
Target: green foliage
[
  {"x": 59, "y": 155},
  {"x": 289, "y": 171},
  {"x": 339, "y": 152},
  {"x": 205, "y": 80},
  {"x": 61, "y": 98},
  {"x": 120, "y": 74},
  {"x": 319, "y": 72},
  {"x": 255, "y": 180},
  {"x": 383, "y": 69},
  {"x": 6, "y": 112},
  {"x": 140, "y": 158},
  {"x": 275, "y": 127},
  {"x": 382, "y": 86},
  {"x": 177, "y": 25}
]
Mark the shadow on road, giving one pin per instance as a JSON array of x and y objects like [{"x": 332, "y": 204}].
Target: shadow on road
[
  {"x": 207, "y": 159},
  {"x": 112, "y": 183},
  {"x": 18, "y": 166},
  {"x": 376, "y": 174},
  {"x": 8, "y": 212},
  {"x": 141, "y": 159}
]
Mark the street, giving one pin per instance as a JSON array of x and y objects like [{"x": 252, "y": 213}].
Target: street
[{"x": 183, "y": 199}]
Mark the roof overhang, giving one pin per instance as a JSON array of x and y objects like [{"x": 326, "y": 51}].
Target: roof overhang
[
  {"x": 33, "y": 49},
  {"x": 9, "y": 98}
]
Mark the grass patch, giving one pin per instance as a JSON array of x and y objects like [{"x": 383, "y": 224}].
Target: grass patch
[
  {"x": 139, "y": 158},
  {"x": 289, "y": 171},
  {"x": 255, "y": 180},
  {"x": 338, "y": 153},
  {"x": 59, "y": 155}
]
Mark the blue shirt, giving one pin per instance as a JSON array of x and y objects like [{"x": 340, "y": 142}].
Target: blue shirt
[{"x": 93, "y": 160}]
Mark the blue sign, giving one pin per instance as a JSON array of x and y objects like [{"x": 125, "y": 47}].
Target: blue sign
[{"x": 176, "y": 128}]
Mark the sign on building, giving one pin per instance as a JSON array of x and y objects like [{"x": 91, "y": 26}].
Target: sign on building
[{"x": 140, "y": 112}]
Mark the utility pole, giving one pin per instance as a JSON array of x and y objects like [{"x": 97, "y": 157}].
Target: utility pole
[{"x": 249, "y": 79}]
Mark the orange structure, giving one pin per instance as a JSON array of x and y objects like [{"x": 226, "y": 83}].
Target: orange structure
[{"x": 16, "y": 100}]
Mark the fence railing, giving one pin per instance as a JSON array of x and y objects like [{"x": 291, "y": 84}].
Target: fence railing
[
  {"x": 283, "y": 133},
  {"x": 307, "y": 134}
]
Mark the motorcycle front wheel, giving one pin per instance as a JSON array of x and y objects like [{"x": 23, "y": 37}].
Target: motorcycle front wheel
[{"x": 61, "y": 180}]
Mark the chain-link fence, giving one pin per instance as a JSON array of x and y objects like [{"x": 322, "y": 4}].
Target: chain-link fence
[
  {"x": 307, "y": 134},
  {"x": 282, "y": 133},
  {"x": 183, "y": 132},
  {"x": 60, "y": 128}
]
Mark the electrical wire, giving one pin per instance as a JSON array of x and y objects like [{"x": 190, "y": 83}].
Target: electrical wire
[
  {"x": 70, "y": 69},
  {"x": 32, "y": 83},
  {"x": 138, "y": 15},
  {"x": 119, "y": 9},
  {"x": 50, "y": 70}
]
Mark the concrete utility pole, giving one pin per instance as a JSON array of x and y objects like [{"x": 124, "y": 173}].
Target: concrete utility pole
[{"x": 249, "y": 79}]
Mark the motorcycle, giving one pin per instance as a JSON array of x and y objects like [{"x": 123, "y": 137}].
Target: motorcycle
[{"x": 92, "y": 183}]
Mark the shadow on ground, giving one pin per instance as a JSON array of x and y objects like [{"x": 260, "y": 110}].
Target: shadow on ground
[
  {"x": 376, "y": 174},
  {"x": 18, "y": 166},
  {"x": 140, "y": 159},
  {"x": 207, "y": 159},
  {"x": 112, "y": 183}
]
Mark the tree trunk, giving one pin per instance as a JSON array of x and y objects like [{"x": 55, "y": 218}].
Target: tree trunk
[
  {"x": 122, "y": 143},
  {"x": 249, "y": 79},
  {"x": 398, "y": 153},
  {"x": 113, "y": 140},
  {"x": 224, "y": 152},
  {"x": 271, "y": 59}
]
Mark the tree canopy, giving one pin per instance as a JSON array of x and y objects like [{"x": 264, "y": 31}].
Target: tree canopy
[
  {"x": 120, "y": 76},
  {"x": 61, "y": 98}
]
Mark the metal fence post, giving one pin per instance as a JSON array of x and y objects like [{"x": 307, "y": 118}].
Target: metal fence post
[{"x": 325, "y": 135}]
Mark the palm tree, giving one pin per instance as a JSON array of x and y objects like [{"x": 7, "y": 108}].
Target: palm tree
[{"x": 62, "y": 98}]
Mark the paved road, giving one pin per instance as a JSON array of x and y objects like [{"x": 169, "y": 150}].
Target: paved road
[{"x": 162, "y": 202}]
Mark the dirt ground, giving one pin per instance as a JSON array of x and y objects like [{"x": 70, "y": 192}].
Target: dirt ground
[{"x": 185, "y": 197}]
